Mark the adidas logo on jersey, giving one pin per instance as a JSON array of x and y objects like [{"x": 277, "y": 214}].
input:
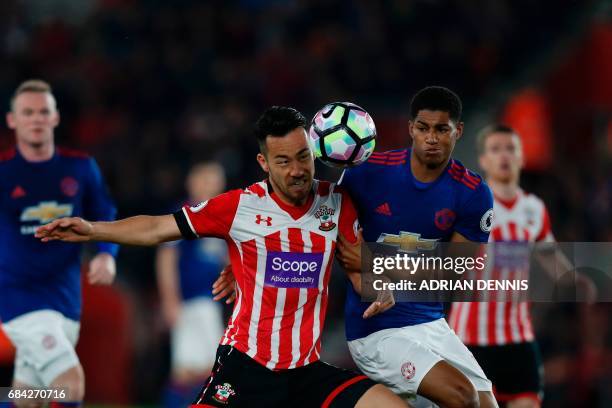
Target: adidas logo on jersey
[
  {"x": 18, "y": 192},
  {"x": 383, "y": 209}
]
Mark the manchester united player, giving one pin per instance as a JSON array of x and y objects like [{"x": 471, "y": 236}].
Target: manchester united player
[
  {"x": 40, "y": 285},
  {"x": 281, "y": 254}
]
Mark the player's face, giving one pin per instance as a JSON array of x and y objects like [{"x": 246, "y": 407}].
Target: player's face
[
  {"x": 290, "y": 164},
  {"x": 205, "y": 182},
  {"x": 434, "y": 135},
  {"x": 502, "y": 157},
  {"x": 33, "y": 117}
]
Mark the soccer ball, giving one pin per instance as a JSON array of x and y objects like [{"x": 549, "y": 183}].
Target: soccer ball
[{"x": 342, "y": 134}]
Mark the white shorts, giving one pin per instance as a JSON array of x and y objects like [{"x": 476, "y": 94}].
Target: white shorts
[
  {"x": 400, "y": 358},
  {"x": 196, "y": 336},
  {"x": 45, "y": 341}
]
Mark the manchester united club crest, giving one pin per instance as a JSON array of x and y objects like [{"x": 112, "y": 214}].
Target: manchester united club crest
[
  {"x": 325, "y": 215},
  {"x": 69, "y": 186},
  {"x": 408, "y": 370},
  {"x": 224, "y": 392},
  {"x": 444, "y": 219}
]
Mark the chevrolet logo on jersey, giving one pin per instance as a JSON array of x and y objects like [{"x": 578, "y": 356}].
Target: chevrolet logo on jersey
[
  {"x": 407, "y": 241},
  {"x": 46, "y": 211}
]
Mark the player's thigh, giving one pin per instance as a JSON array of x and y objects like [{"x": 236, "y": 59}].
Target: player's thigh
[
  {"x": 452, "y": 350},
  {"x": 321, "y": 384},
  {"x": 239, "y": 381},
  {"x": 395, "y": 358},
  {"x": 44, "y": 343},
  {"x": 196, "y": 335},
  {"x": 447, "y": 386},
  {"x": 515, "y": 370}
]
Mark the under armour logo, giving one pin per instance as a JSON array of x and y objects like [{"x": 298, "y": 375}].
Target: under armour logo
[{"x": 259, "y": 219}]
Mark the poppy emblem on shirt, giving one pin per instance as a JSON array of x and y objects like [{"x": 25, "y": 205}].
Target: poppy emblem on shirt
[
  {"x": 444, "y": 219},
  {"x": 69, "y": 186},
  {"x": 408, "y": 370}
]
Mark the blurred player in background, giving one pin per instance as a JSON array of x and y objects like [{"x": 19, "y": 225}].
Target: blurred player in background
[
  {"x": 417, "y": 193},
  {"x": 40, "y": 285},
  {"x": 281, "y": 253},
  {"x": 500, "y": 333},
  {"x": 186, "y": 271}
]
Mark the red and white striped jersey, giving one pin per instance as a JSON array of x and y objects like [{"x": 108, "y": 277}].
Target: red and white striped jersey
[
  {"x": 500, "y": 321},
  {"x": 281, "y": 257}
]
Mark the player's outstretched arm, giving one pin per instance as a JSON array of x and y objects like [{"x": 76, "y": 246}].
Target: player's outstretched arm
[{"x": 139, "y": 230}]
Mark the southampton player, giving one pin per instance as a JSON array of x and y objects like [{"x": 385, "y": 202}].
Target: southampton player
[
  {"x": 40, "y": 285},
  {"x": 499, "y": 333},
  {"x": 186, "y": 271},
  {"x": 281, "y": 253},
  {"x": 417, "y": 193}
]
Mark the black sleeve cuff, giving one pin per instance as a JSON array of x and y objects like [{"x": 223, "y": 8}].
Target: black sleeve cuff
[{"x": 183, "y": 224}]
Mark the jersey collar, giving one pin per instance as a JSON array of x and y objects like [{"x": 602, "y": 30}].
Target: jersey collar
[{"x": 296, "y": 212}]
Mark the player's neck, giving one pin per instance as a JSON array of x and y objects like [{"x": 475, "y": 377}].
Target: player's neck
[
  {"x": 422, "y": 172},
  {"x": 36, "y": 153},
  {"x": 505, "y": 191}
]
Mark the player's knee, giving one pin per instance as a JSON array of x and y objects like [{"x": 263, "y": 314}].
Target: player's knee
[
  {"x": 73, "y": 381},
  {"x": 463, "y": 395}
]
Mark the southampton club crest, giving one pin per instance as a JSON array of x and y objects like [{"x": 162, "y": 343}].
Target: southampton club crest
[
  {"x": 325, "y": 215},
  {"x": 224, "y": 392}
]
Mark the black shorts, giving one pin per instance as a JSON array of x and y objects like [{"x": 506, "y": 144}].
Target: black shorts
[
  {"x": 514, "y": 369},
  {"x": 239, "y": 381}
]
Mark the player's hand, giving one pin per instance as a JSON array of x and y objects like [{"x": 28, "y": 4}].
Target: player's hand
[
  {"x": 72, "y": 229},
  {"x": 102, "y": 269},
  {"x": 384, "y": 302},
  {"x": 225, "y": 285},
  {"x": 348, "y": 253}
]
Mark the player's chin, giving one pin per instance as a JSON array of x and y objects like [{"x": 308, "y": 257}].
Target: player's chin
[{"x": 435, "y": 163}]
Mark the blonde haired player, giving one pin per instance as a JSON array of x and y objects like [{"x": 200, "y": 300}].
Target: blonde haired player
[{"x": 499, "y": 333}]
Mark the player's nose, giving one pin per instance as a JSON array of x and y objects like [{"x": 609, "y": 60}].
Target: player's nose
[{"x": 296, "y": 170}]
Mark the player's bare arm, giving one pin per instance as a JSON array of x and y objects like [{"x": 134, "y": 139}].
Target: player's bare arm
[
  {"x": 142, "y": 230},
  {"x": 349, "y": 255}
]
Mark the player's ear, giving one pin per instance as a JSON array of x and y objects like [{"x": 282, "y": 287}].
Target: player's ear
[
  {"x": 261, "y": 159},
  {"x": 459, "y": 132},
  {"x": 56, "y": 119},
  {"x": 410, "y": 125},
  {"x": 10, "y": 120}
]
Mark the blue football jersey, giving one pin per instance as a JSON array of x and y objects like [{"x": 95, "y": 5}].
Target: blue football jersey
[
  {"x": 390, "y": 200},
  {"x": 199, "y": 263},
  {"x": 36, "y": 275}
]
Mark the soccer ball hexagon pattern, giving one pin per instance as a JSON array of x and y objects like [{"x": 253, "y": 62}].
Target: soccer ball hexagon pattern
[{"x": 342, "y": 134}]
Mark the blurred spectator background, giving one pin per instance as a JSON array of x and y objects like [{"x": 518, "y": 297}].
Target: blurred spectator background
[{"x": 149, "y": 87}]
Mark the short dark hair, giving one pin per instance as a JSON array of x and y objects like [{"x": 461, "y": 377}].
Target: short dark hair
[
  {"x": 277, "y": 121},
  {"x": 481, "y": 137},
  {"x": 436, "y": 98}
]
